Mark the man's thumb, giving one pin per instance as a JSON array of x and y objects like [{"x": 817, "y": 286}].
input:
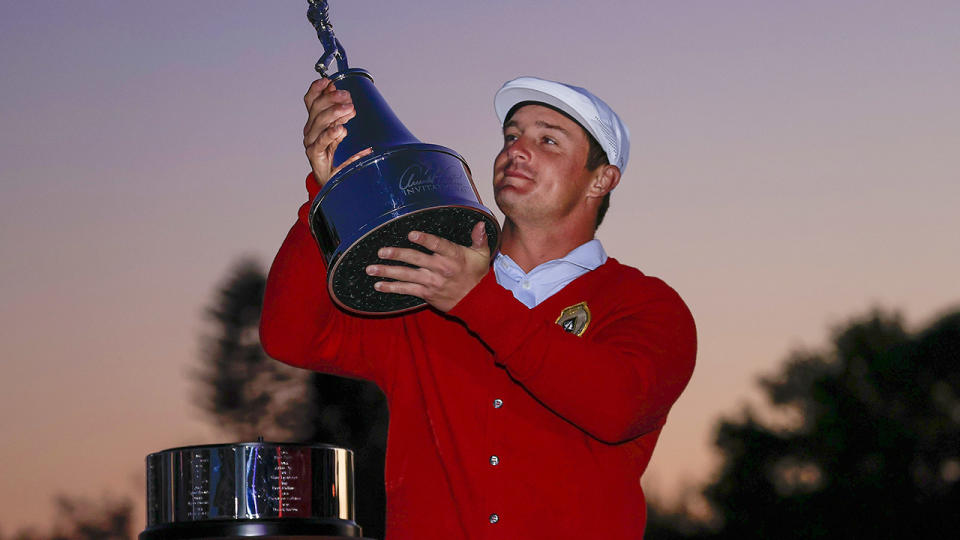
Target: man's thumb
[{"x": 479, "y": 238}]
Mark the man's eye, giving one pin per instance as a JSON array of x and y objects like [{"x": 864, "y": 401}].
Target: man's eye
[
  {"x": 509, "y": 138},
  {"x": 548, "y": 140}
]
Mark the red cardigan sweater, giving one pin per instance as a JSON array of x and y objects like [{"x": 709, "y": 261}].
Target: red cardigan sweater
[{"x": 502, "y": 424}]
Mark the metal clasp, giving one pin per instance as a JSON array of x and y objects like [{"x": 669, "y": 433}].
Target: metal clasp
[{"x": 318, "y": 14}]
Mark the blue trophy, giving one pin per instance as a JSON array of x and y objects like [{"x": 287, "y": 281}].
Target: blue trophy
[{"x": 403, "y": 185}]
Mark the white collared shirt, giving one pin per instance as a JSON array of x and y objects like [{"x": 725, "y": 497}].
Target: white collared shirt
[{"x": 548, "y": 278}]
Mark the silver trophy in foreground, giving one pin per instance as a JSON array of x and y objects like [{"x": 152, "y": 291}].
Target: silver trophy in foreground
[{"x": 253, "y": 489}]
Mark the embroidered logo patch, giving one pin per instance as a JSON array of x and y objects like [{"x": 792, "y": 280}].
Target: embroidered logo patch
[{"x": 575, "y": 319}]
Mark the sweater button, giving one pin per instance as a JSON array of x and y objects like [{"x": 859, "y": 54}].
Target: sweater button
[
  {"x": 494, "y": 460},
  {"x": 497, "y": 403},
  {"x": 494, "y": 518}
]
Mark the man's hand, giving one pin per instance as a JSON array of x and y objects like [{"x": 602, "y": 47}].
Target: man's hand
[
  {"x": 328, "y": 109},
  {"x": 442, "y": 278}
]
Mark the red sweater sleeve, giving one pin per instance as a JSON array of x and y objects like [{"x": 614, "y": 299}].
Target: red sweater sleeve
[
  {"x": 619, "y": 379},
  {"x": 301, "y": 326}
]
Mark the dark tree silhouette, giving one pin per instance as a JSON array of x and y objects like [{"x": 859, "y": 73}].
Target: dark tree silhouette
[
  {"x": 866, "y": 442},
  {"x": 248, "y": 394},
  {"x": 83, "y": 519},
  {"x": 673, "y": 524},
  {"x": 107, "y": 518}
]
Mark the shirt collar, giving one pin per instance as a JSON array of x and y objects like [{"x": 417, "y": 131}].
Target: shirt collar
[{"x": 588, "y": 256}]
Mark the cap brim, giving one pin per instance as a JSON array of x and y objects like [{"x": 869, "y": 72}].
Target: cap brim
[{"x": 508, "y": 98}]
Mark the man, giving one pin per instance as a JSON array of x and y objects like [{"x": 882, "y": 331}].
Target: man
[{"x": 524, "y": 402}]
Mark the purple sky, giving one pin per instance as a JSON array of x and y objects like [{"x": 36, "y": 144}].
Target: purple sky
[{"x": 791, "y": 166}]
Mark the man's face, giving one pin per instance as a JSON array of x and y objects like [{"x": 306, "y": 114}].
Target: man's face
[{"x": 540, "y": 173}]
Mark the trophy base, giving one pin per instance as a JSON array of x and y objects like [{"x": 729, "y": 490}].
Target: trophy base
[
  {"x": 305, "y": 529},
  {"x": 352, "y": 288}
]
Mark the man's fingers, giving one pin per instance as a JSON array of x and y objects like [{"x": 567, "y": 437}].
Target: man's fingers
[
  {"x": 401, "y": 287},
  {"x": 442, "y": 277},
  {"x": 326, "y": 105},
  {"x": 333, "y": 133},
  {"x": 410, "y": 256},
  {"x": 320, "y": 88},
  {"x": 433, "y": 242},
  {"x": 327, "y": 114},
  {"x": 405, "y": 274},
  {"x": 313, "y": 92},
  {"x": 328, "y": 109},
  {"x": 329, "y": 100}
]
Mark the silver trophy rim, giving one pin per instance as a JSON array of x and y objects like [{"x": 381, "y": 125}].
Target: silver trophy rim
[{"x": 251, "y": 444}]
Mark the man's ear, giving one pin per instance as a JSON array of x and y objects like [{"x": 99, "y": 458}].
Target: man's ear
[{"x": 606, "y": 178}]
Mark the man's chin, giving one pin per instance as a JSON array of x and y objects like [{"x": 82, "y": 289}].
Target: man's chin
[
  {"x": 509, "y": 198},
  {"x": 504, "y": 198}
]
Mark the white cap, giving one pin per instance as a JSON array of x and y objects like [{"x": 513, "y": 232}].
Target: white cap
[{"x": 587, "y": 109}]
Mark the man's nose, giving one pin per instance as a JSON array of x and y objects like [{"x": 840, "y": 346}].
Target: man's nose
[{"x": 519, "y": 148}]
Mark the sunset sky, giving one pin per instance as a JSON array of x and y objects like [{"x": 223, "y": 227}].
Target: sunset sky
[{"x": 792, "y": 165}]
